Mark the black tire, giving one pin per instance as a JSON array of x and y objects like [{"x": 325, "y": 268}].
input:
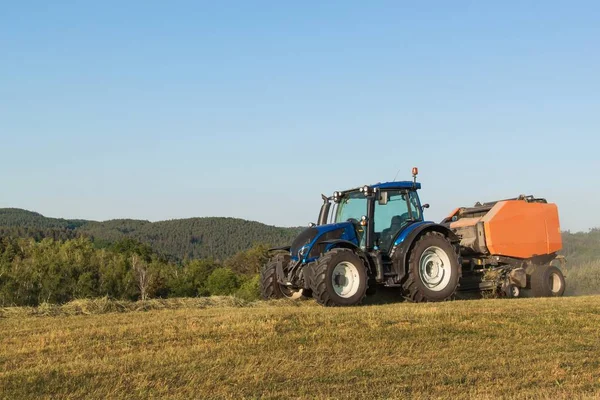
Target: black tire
[
  {"x": 415, "y": 288},
  {"x": 269, "y": 287},
  {"x": 322, "y": 279},
  {"x": 511, "y": 291},
  {"x": 547, "y": 281}
]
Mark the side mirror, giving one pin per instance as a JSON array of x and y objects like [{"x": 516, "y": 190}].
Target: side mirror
[
  {"x": 426, "y": 205},
  {"x": 383, "y": 198}
]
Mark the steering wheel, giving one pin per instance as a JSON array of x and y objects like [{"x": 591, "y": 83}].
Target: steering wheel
[
  {"x": 353, "y": 220},
  {"x": 405, "y": 217}
]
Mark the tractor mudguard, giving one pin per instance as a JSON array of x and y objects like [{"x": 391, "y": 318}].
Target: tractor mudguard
[
  {"x": 282, "y": 248},
  {"x": 404, "y": 242},
  {"x": 346, "y": 244},
  {"x": 330, "y": 244}
]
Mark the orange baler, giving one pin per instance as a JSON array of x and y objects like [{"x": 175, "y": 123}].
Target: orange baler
[
  {"x": 524, "y": 228},
  {"x": 509, "y": 244}
]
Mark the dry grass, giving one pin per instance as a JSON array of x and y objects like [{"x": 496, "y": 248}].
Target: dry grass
[
  {"x": 104, "y": 306},
  {"x": 523, "y": 348}
]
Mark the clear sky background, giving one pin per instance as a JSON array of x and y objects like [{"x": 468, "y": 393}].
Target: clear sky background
[{"x": 158, "y": 110}]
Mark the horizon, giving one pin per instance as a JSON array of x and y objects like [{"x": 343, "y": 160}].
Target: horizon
[
  {"x": 207, "y": 216},
  {"x": 251, "y": 111}
]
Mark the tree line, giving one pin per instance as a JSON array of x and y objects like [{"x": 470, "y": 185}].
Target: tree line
[
  {"x": 57, "y": 271},
  {"x": 176, "y": 240}
]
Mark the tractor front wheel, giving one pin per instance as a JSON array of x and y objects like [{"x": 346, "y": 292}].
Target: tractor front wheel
[
  {"x": 339, "y": 279},
  {"x": 270, "y": 288}
]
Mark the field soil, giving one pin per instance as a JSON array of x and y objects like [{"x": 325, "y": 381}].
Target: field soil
[{"x": 182, "y": 349}]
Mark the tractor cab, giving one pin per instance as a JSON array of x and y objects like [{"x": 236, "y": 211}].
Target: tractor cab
[
  {"x": 387, "y": 208},
  {"x": 378, "y": 213}
]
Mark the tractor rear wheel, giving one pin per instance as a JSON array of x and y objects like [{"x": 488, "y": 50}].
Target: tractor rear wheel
[
  {"x": 339, "y": 279},
  {"x": 433, "y": 269},
  {"x": 547, "y": 281},
  {"x": 270, "y": 288}
]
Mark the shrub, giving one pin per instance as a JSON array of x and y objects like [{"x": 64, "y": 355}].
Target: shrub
[
  {"x": 250, "y": 290},
  {"x": 222, "y": 282},
  {"x": 583, "y": 279}
]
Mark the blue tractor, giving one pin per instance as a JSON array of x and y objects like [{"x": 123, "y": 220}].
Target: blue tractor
[{"x": 365, "y": 237}]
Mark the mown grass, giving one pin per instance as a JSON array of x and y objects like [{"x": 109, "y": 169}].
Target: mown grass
[{"x": 521, "y": 348}]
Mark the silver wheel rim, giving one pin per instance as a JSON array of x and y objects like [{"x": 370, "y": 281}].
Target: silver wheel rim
[
  {"x": 555, "y": 283},
  {"x": 435, "y": 269},
  {"x": 345, "y": 279},
  {"x": 514, "y": 291}
]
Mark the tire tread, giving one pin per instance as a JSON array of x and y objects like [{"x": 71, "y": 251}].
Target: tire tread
[{"x": 269, "y": 287}]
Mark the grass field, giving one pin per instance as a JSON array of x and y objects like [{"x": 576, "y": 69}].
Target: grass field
[{"x": 521, "y": 348}]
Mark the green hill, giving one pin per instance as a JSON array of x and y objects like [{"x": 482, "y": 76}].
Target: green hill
[
  {"x": 215, "y": 237},
  {"x": 23, "y": 223}
]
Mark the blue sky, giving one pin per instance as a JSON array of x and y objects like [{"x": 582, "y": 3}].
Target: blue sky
[{"x": 160, "y": 110}]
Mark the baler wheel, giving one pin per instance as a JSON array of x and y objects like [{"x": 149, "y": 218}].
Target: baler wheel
[
  {"x": 547, "y": 281},
  {"x": 511, "y": 291}
]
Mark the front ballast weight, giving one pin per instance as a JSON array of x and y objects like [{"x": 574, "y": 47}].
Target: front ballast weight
[{"x": 271, "y": 284}]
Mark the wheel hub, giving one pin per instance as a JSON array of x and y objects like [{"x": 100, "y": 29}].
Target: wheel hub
[
  {"x": 435, "y": 268},
  {"x": 340, "y": 280},
  {"x": 555, "y": 283},
  {"x": 345, "y": 279}
]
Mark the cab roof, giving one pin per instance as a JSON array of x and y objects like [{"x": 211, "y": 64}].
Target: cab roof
[{"x": 397, "y": 185}]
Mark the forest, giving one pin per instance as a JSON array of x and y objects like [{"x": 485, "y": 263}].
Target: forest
[{"x": 176, "y": 240}]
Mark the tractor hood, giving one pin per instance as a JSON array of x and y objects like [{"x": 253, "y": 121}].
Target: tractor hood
[{"x": 309, "y": 244}]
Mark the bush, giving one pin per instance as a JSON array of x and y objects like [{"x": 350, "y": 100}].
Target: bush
[
  {"x": 250, "y": 290},
  {"x": 583, "y": 279},
  {"x": 222, "y": 282},
  {"x": 249, "y": 262}
]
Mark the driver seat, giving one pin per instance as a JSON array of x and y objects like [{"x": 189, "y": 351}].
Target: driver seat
[{"x": 389, "y": 234}]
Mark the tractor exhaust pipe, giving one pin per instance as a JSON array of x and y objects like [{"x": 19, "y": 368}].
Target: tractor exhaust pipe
[{"x": 324, "y": 214}]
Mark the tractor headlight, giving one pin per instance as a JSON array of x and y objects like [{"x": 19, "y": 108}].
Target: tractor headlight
[
  {"x": 337, "y": 196},
  {"x": 303, "y": 250}
]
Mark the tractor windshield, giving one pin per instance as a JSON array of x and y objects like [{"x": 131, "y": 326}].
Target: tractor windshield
[
  {"x": 401, "y": 209},
  {"x": 352, "y": 207}
]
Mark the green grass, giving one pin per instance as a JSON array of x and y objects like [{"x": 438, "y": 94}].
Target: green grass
[{"x": 224, "y": 348}]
